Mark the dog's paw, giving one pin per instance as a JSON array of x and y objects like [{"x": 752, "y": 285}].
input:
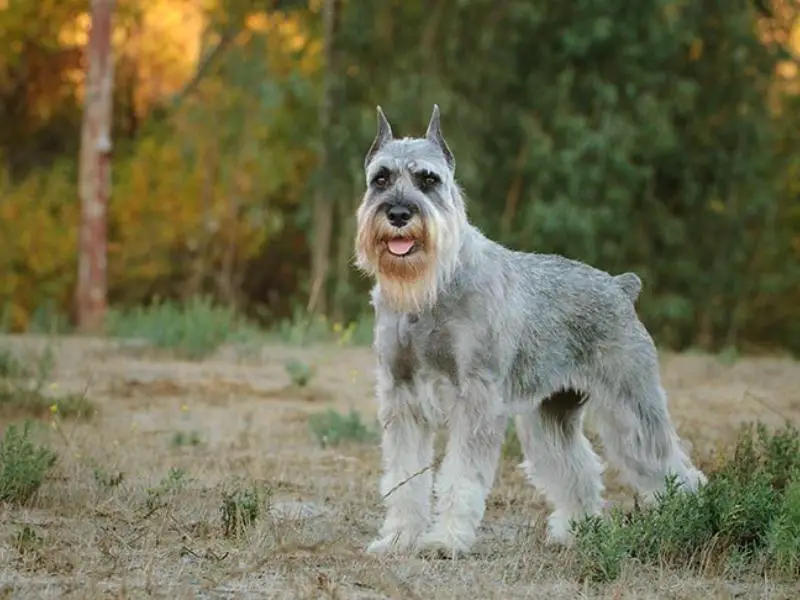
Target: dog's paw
[
  {"x": 397, "y": 543},
  {"x": 443, "y": 545},
  {"x": 559, "y": 532}
]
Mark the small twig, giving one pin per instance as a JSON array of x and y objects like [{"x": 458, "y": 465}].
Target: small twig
[
  {"x": 228, "y": 36},
  {"x": 152, "y": 511},
  {"x": 752, "y": 396},
  {"x": 433, "y": 465}
]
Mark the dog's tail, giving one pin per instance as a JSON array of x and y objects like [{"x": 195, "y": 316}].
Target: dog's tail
[{"x": 630, "y": 284}]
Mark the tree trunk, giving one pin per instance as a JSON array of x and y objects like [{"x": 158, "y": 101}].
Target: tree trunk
[
  {"x": 95, "y": 171},
  {"x": 344, "y": 248},
  {"x": 322, "y": 219}
]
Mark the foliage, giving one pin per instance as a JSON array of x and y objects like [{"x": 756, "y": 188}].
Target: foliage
[
  {"x": 183, "y": 438},
  {"x": 303, "y": 329},
  {"x": 656, "y": 138},
  {"x": 170, "y": 485},
  {"x": 300, "y": 372},
  {"x": 24, "y": 390},
  {"x": 512, "y": 447},
  {"x": 745, "y": 517},
  {"x": 23, "y": 464},
  {"x": 239, "y": 510},
  {"x": 192, "y": 330},
  {"x": 332, "y": 428}
]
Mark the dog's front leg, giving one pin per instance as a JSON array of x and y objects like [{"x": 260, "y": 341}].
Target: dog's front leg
[
  {"x": 467, "y": 472},
  {"x": 407, "y": 446}
]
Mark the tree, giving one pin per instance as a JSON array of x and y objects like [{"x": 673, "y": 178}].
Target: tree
[
  {"x": 323, "y": 213},
  {"x": 95, "y": 171}
]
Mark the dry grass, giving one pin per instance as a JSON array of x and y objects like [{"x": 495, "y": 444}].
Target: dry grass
[{"x": 128, "y": 511}]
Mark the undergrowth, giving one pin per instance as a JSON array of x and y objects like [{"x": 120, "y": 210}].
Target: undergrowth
[
  {"x": 746, "y": 519},
  {"x": 196, "y": 329},
  {"x": 332, "y": 428},
  {"x": 303, "y": 329},
  {"x": 23, "y": 464},
  {"x": 24, "y": 389},
  {"x": 193, "y": 330}
]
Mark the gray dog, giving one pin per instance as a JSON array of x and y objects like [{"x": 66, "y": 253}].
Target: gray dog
[{"x": 468, "y": 333}]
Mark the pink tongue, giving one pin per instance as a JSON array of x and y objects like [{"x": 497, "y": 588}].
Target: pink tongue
[{"x": 400, "y": 246}]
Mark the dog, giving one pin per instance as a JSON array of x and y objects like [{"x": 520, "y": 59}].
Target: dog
[{"x": 469, "y": 333}]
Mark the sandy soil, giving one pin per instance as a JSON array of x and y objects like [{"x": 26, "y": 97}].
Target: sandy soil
[{"x": 115, "y": 541}]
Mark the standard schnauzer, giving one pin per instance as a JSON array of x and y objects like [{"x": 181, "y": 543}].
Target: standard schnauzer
[{"x": 468, "y": 333}]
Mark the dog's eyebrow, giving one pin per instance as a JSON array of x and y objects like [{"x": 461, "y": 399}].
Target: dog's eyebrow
[
  {"x": 420, "y": 167},
  {"x": 379, "y": 166}
]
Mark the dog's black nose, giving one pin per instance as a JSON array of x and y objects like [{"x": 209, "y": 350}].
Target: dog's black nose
[{"x": 398, "y": 215}]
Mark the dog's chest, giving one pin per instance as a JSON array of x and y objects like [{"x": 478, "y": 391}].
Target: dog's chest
[{"x": 417, "y": 351}]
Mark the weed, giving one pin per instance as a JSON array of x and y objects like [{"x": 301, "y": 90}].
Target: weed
[
  {"x": 512, "y": 448},
  {"x": 193, "y": 330},
  {"x": 747, "y": 516},
  {"x": 23, "y": 465},
  {"x": 183, "y": 438},
  {"x": 783, "y": 536},
  {"x": 108, "y": 480},
  {"x": 172, "y": 483},
  {"x": 303, "y": 329},
  {"x": 300, "y": 372},
  {"x": 19, "y": 399},
  {"x": 26, "y": 541},
  {"x": 331, "y": 428},
  {"x": 24, "y": 389},
  {"x": 10, "y": 365},
  {"x": 239, "y": 510}
]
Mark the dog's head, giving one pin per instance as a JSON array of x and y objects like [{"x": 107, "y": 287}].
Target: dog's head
[{"x": 411, "y": 216}]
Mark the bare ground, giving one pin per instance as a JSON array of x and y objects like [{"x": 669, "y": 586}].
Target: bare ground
[{"x": 109, "y": 541}]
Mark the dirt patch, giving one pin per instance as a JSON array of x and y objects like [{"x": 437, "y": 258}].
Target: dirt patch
[{"x": 129, "y": 512}]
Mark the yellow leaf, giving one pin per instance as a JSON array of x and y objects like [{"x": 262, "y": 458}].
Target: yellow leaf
[{"x": 696, "y": 50}]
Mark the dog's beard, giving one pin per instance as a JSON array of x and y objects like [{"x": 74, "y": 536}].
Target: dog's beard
[{"x": 402, "y": 260}]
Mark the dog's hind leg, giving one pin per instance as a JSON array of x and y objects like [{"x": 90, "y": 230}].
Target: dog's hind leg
[
  {"x": 632, "y": 419},
  {"x": 560, "y": 461}
]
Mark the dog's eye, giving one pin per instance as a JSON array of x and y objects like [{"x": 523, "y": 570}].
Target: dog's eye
[
  {"x": 381, "y": 181},
  {"x": 429, "y": 180}
]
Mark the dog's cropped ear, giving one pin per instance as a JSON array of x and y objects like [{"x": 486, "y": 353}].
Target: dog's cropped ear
[
  {"x": 381, "y": 139},
  {"x": 434, "y": 134}
]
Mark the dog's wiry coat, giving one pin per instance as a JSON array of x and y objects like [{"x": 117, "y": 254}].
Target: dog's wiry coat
[{"x": 469, "y": 332}]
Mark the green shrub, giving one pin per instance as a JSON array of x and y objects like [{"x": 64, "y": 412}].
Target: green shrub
[
  {"x": 23, "y": 465},
  {"x": 239, "y": 510},
  {"x": 747, "y": 516},
  {"x": 193, "y": 330},
  {"x": 23, "y": 386},
  {"x": 300, "y": 372},
  {"x": 512, "y": 448},
  {"x": 331, "y": 428}
]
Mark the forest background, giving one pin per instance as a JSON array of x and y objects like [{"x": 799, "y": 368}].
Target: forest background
[{"x": 658, "y": 136}]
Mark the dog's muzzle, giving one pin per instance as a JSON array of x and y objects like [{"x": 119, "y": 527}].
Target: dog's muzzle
[{"x": 399, "y": 215}]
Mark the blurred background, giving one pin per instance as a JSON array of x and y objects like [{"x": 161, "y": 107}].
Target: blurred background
[{"x": 657, "y": 136}]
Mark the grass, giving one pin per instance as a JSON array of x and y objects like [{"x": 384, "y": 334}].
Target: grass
[
  {"x": 193, "y": 330},
  {"x": 186, "y": 438},
  {"x": 23, "y": 465},
  {"x": 24, "y": 391},
  {"x": 745, "y": 519},
  {"x": 303, "y": 330},
  {"x": 332, "y": 428},
  {"x": 240, "y": 509},
  {"x": 196, "y": 329},
  {"x": 300, "y": 372},
  {"x": 281, "y": 495}
]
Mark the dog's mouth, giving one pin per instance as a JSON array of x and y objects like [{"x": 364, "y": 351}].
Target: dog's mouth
[{"x": 401, "y": 246}]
